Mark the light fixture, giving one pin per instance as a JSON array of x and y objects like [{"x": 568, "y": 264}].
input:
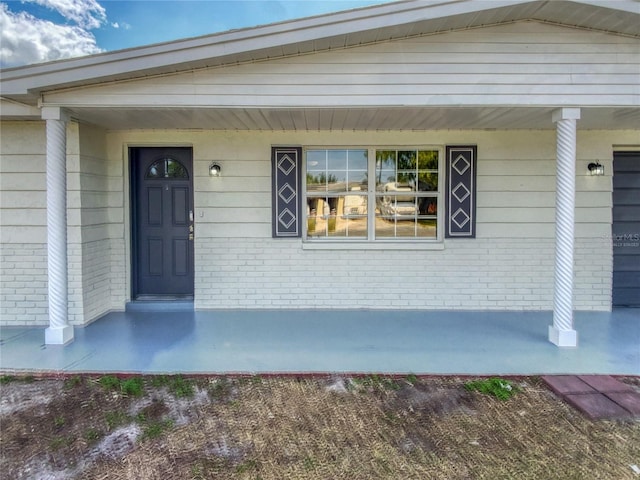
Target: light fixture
[
  {"x": 215, "y": 170},
  {"x": 596, "y": 168}
]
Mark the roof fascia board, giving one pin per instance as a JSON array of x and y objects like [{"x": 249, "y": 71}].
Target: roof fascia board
[
  {"x": 12, "y": 109},
  {"x": 629, "y": 6}
]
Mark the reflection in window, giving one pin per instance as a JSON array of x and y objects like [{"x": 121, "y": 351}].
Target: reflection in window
[
  {"x": 403, "y": 202},
  {"x": 337, "y": 193},
  {"x": 166, "y": 168},
  {"x": 406, "y": 193}
]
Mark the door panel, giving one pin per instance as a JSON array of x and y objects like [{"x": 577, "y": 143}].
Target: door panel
[
  {"x": 626, "y": 229},
  {"x": 162, "y": 194}
]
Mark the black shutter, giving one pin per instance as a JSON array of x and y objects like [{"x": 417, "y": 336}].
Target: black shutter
[
  {"x": 286, "y": 191},
  {"x": 460, "y": 198}
]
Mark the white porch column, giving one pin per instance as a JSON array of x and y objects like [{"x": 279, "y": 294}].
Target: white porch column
[
  {"x": 59, "y": 331},
  {"x": 561, "y": 332}
]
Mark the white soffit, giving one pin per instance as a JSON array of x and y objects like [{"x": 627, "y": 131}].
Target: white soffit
[
  {"x": 352, "y": 119},
  {"x": 338, "y": 30}
]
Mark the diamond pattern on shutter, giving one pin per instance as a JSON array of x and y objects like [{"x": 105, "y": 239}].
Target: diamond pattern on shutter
[
  {"x": 286, "y": 191},
  {"x": 461, "y": 192}
]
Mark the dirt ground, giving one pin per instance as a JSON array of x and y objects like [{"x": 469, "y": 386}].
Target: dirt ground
[{"x": 173, "y": 427}]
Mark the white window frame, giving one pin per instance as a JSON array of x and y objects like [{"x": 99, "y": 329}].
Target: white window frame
[{"x": 371, "y": 242}]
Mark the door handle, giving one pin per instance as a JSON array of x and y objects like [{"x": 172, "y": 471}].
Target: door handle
[{"x": 191, "y": 216}]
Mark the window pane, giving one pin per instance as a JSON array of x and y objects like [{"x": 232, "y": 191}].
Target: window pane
[
  {"x": 354, "y": 205},
  {"x": 386, "y": 159},
  {"x": 427, "y": 228},
  {"x": 337, "y": 180},
  {"x": 405, "y": 216},
  {"x": 358, "y": 160},
  {"x": 344, "y": 216},
  {"x": 428, "y": 206},
  {"x": 155, "y": 171},
  {"x": 397, "y": 206},
  {"x": 175, "y": 169},
  {"x": 357, "y": 181},
  {"x": 166, "y": 168},
  {"x": 316, "y": 160},
  {"x": 428, "y": 160},
  {"x": 337, "y": 159},
  {"x": 389, "y": 227},
  {"x": 316, "y": 182},
  {"x": 428, "y": 181},
  {"x": 407, "y": 160}
]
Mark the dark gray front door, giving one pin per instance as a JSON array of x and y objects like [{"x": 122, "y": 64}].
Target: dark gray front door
[
  {"x": 162, "y": 217},
  {"x": 626, "y": 229}
]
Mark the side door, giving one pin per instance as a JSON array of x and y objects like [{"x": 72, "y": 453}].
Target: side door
[
  {"x": 162, "y": 222},
  {"x": 626, "y": 229}
]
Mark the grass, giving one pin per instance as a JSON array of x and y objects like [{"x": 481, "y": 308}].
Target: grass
[
  {"x": 154, "y": 429},
  {"x": 220, "y": 388},
  {"x": 116, "y": 419},
  {"x": 382, "y": 427},
  {"x": 412, "y": 379},
  {"x": 73, "y": 382},
  {"x": 178, "y": 385},
  {"x": 92, "y": 435},
  {"x": 497, "y": 387},
  {"x": 109, "y": 382},
  {"x": 181, "y": 387},
  {"x": 132, "y": 386}
]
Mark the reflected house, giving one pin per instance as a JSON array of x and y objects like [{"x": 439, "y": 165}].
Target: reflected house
[
  {"x": 354, "y": 205},
  {"x": 246, "y": 169}
]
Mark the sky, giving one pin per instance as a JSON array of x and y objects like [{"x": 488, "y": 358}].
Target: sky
[{"x": 35, "y": 31}]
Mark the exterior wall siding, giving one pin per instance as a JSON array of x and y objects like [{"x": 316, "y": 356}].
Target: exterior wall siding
[
  {"x": 492, "y": 274},
  {"x": 238, "y": 265},
  {"x": 95, "y": 226},
  {"x": 23, "y": 219},
  {"x": 498, "y": 65},
  {"x": 509, "y": 265},
  {"x": 23, "y": 284},
  {"x": 101, "y": 222}
]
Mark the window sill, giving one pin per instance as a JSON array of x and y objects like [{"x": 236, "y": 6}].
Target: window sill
[{"x": 379, "y": 245}]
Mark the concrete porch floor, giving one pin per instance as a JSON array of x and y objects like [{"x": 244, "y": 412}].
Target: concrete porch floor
[{"x": 320, "y": 341}]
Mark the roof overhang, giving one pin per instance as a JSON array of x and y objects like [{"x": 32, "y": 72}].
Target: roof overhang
[
  {"x": 347, "y": 119},
  {"x": 338, "y": 30}
]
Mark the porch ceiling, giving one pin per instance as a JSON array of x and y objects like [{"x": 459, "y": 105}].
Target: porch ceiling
[{"x": 339, "y": 119}]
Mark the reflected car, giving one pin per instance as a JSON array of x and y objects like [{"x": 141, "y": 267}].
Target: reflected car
[{"x": 400, "y": 207}]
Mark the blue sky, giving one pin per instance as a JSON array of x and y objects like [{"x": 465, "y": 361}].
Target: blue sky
[{"x": 33, "y": 31}]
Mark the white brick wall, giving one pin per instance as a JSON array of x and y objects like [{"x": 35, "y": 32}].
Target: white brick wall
[
  {"x": 95, "y": 251},
  {"x": 500, "y": 274},
  {"x": 23, "y": 284}
]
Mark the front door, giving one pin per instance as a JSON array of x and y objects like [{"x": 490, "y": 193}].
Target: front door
[
  {"x": 626, "y": 229},
  {"x": 162, "y": 222}
]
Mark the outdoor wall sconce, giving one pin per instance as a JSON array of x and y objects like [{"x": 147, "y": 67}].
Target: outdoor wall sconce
[
  {"x": 215, "y": 170},
  {"x": 596, "y": 168}
]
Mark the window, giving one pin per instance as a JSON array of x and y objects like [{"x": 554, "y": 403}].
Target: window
[
  {"x": 166, "y": 168},
  {"x": 372, "y": 194}
]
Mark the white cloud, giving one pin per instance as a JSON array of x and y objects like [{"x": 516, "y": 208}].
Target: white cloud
[
  {"x": 122, "y": 25},
  {"x": 87, "y": 14},
  {"x": 26, "y": 39}
]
